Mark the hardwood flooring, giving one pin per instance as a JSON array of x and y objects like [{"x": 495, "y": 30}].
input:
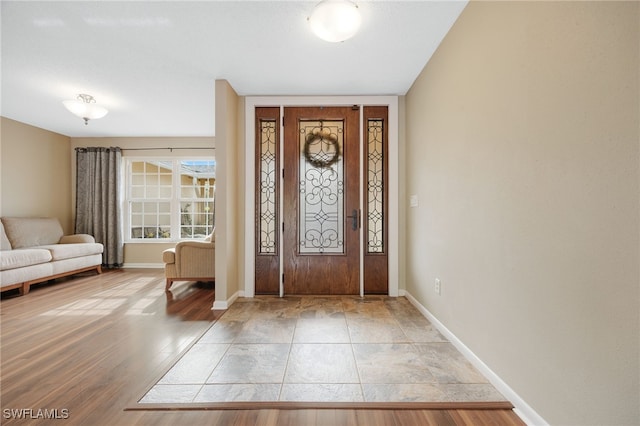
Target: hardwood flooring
[{"x": 85, "y": 348}]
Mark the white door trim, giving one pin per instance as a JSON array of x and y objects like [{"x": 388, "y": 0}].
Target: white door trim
[{"x": 251, "y": 102}]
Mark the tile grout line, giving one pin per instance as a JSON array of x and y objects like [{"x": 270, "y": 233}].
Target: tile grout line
[
  {"x": 286, "y": 365},
  {"x": 353, "y": 352}
]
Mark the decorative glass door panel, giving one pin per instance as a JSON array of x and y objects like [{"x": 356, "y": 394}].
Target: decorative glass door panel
[
  {"x": 321, "y": 217},
  {"x": 267, "y": 199},
  {"x": 267, "y": 185},
  {"x": 375, "y": 204}
]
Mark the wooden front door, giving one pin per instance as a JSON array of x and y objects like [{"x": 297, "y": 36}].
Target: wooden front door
[
  {"x": 310, "y": 170},
  {"x": 321, "y": 234}
]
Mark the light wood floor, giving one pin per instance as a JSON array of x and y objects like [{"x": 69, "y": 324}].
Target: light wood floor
[{"x": 90, "y": 346}]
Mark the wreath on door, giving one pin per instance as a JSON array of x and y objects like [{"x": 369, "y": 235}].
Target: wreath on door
[{"x": 315, "y": 159}]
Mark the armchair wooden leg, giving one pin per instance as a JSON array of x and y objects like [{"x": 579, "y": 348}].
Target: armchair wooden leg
[{"x": 168, "y": 285}]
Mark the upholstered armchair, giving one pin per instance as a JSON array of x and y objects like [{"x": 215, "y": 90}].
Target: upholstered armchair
[{"x": 190, "y": 261}]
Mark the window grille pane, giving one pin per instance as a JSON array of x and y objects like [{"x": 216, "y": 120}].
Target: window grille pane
[
  {"x": 138, "y": 166},
  {"x": 164, "y": 192},
  {"x": 150, "y": 219},
  {"x": 152, "y": 192},
  {"x": 188, "y": 191},
  {"x": 165, "y": 167},
  {"x": 191, "y": 203}
]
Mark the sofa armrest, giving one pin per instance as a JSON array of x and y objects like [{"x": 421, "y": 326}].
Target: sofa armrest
[
  {"x": 189, "y": 248},
  {"x": 77, "y": 238},
  {"x": 195, "y": 258},
  {"x": 169, "y": 255}
]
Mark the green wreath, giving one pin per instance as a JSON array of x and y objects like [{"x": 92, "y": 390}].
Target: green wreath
[{"x": 320, "y": 136}]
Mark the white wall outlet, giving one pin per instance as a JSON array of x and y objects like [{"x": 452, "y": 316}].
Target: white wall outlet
[
  {"x": 438, "y": 287},
  {"x": 413, "y": 201}
]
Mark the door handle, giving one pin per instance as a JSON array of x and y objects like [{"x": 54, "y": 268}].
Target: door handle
[{"x": 354, "y": 219}]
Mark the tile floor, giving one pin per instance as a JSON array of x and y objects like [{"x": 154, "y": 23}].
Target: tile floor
[{"x": 322, "y": 349}]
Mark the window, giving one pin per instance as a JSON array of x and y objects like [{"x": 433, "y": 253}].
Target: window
[{"x": 169, "y": 199}]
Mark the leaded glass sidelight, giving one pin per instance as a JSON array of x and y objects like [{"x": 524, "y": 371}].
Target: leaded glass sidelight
[
  {"x": 267, "y": 213},
  {"x": 375, "y": 185},
  {"x": 321, "y": 186}
]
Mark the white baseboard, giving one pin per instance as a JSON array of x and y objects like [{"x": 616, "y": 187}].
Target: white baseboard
[
  {"x": 522, "y": 409},
  {"x": 224, "y": 304}
]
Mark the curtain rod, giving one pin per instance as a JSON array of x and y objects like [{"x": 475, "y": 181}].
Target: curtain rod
[{"x": 152, "y": 149}]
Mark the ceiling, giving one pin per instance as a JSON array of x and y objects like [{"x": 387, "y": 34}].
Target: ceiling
[{"x": 153, "y": 65}]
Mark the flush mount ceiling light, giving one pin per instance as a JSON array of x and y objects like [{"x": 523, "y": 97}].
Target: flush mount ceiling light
[
  {"x": 335, "y": 20},
  {"x": 85, "y": 107}
]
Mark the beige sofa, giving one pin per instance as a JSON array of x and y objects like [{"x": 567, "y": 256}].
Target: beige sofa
[
  {"x": 34, "y": 250},
  {"x": 190, "y": 261}
]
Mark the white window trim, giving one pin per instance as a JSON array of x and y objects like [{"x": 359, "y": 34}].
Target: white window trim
[{"x": 175, "y": 199}]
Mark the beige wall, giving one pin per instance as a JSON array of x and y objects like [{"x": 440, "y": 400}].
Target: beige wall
[
  {"x": 145, "y": 254},
  {"x": 402, "y": 193},
  {"x": 228, "y": 220},
  {"x": 523, "y": 148},
  {"x": 241, "y": 182},
  {"x": 34, "y": 176}
]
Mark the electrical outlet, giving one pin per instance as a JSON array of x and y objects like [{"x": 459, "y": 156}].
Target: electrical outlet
[{"x": 438, "y": 287}]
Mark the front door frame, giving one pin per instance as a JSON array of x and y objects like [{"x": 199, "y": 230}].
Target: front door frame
[{"x": 251, "y": 102}]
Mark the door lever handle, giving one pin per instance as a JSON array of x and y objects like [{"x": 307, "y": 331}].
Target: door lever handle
[{"x": 355, "y": 216}]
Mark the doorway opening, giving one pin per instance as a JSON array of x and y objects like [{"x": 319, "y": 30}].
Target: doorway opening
[{"x": 321, "y": 200}]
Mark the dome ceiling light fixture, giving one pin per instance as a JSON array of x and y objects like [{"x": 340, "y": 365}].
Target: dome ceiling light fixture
[
  {"x": 85, "y": 107},
  {"x": 335, "y": 20}
]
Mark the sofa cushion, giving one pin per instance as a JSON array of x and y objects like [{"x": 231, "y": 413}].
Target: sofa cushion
[
  {"x": 66, "y": 265},
  {"x": 4, "y": 241},
  {"x": 68, "y": 251},
  {"x": 77, "y": 238},
  {"x": 27, "y": 273},
  {"x": 12, "y": 259},
  {"x": 32, "y": 231}
]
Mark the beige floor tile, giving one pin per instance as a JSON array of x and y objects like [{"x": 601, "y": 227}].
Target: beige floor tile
[
  {"x": 321, "y": 307},
  {"x": 196, "y": 365},
  {"x": 223, "y": 332},
  {"x": 447, "y": 364},
  {"x": 375, "y": 330},
  {"x": 368, "y": 307},
  {"x": 424, "y": 334},
  {"x": 275, "y": 307},
  {"x": 252, "y": 363},
  {"x": 321, "y": 363},
  {"x": 321, "y": 330},
  {"x": 171, "y": 394},
  {"x": 267, "y": 330},
  {"x": 391, "y": 363},
  {"x": 239, "y": 392},
  {"x": 403, "y": 392},
  {"x": 243, "y": 313},
  {"x": 322, "y": 392},
  {"x": 476, "y": 392}
]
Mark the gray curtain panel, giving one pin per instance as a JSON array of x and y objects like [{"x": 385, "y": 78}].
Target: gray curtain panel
[{"x": 97, "y": 200}]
